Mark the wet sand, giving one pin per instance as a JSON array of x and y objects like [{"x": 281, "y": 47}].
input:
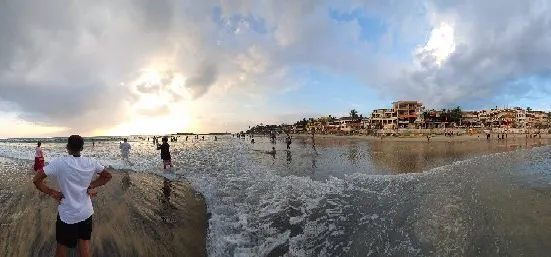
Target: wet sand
[
  {"x": 433, "y": 138},
  {"x": 414, "y": 155},
  {"x": 135, "y": 215}
]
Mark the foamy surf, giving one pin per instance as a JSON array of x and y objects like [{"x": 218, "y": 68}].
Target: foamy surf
[{"x": 264, "y": 207}]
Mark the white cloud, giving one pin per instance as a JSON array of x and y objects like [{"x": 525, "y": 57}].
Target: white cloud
[{"x": 79, "y": 65}]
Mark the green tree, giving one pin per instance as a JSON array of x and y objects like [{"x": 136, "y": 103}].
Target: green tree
[
  {"x": 354, "y": 114},
  {"x": 528, "y": 109},
  {"x": 456, "y": 114}
]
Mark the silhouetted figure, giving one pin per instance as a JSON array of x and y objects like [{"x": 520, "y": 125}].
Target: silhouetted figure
[
  {"x": 288, "y": 141},
  {"x": 272, "y": 152},
  {"x": 165, "y": 153}
]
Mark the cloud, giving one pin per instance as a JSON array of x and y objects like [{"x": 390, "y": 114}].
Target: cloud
[
  {"x": 200, "y": 82},
  {"x": 63, "y": 65},
  {"x": 497, "y": 43}
]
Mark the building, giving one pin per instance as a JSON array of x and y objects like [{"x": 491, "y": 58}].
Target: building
[
  {"x": 537, "y": 119},
  {"x": 470, "y": 119},
  {"x": 407, "y": 113},
  {"x": 366, "y": 123},
  {"x": 349, "y": 124},
  {"x": 384, "y": 119}
]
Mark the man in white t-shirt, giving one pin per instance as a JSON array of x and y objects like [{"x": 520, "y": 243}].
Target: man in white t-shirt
[
  {"x": 74, "y": 175},
  {"x": 125, "y": 149}
]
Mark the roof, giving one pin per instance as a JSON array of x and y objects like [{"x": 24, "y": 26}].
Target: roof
[{"x": 406, "y": 102}]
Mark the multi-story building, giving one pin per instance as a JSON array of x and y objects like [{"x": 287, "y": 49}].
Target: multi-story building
[
  {"x": 420, "y": 112},
  {"x": 433, "y": 119},
  {"x": 349, "y": 124},
  {"x": 520, "y": 117},
  {"x": 384, "y": 118},
  {"x": 470, "y": 119},
  {"x": 407, "y": 112},
  {"x": 537, "y": 119}
]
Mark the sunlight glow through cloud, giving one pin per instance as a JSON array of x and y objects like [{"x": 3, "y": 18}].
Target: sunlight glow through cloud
[{"x": 441, "y": 43}]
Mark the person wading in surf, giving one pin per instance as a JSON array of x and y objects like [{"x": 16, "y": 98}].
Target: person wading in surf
[
  {"x": 38, "y": 157},
  {"x": 165, "y": 153},
  {"x": 74, "y": 174},
  {"x": 125, "y": 150}
]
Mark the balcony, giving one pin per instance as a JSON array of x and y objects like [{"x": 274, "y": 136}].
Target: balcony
[{"x": 407, "y": 116}]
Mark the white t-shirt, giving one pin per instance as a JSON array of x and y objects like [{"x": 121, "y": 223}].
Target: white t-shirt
[
  {"x": 74, "y": 175},
  {"x": 38, "y": 152},
  {"x": 125, "y": 147}
]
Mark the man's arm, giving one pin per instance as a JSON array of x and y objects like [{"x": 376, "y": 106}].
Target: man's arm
[
  {"x": 104, "y": 177},
  {"x": 38, "y": 182}
]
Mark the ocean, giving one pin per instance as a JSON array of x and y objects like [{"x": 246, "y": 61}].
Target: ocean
[{"x": 350, "y": 197}]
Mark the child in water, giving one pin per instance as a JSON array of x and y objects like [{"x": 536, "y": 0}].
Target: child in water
[
  {"x": 38, "y": 158},
  {"x": 165, "y": 153}
]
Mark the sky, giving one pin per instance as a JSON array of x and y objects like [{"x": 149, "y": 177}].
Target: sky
[{"x": 126, "y": 67}]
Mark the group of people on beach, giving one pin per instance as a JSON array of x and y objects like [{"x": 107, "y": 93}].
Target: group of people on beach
[{"x": 75, "y": 174}]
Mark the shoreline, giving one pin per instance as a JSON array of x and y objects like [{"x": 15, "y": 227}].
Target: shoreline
[{"x": 433, "y": 138}]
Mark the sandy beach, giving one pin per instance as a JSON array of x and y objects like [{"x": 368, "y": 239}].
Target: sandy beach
[
  {"x": 135, "y": 215},
  {"x": 140, "y": 214}
]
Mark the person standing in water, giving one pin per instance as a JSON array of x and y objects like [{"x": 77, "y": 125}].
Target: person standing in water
[
  {"x": 288, "y": 141},
  {"x": 272, "y": 152},
  {"x": 38, "y": 157},
  {"x": 74, "y": 174},
  {"x": 314, "y": 142},
  {"x": 165, "y": 153},
  {"x": 125, "y": 149}
]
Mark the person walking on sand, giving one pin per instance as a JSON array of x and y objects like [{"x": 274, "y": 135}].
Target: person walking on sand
[
  {"x": 74, "y": 175},
  {"x": 125, "y": 149},
  {"x": 38, "y": 157},
  {"x": 165, "y": 153}
]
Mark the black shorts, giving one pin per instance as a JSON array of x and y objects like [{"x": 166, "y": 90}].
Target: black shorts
[{"x": 69, "y": 234}]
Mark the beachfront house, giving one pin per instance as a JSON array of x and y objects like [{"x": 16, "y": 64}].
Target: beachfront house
[
  {"x": 433, "y": 119},
  {"x": 537, "y": 119},
  {"x": 366, "y": 123},
  {"x": 407, "y": 112},
  {"x": 420, "y": 120},
  {"x": 349, "y": 124},
  {"x": 384, "y": 119},
  {"x": 333, "y": 127},
  {"x": 470, "y": 119},
  {"x": 520, "y": 117}
]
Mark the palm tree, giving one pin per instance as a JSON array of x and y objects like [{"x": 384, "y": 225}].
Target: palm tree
[
  {"x": 354, "y": 114},
  {"x": 528, "y": 109}
]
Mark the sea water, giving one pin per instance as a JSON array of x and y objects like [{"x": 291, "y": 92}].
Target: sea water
[{"x": 340, "y": 200}]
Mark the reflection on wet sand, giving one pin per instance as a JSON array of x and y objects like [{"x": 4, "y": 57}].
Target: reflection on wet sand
[
  {"x": 128, "y": 221},
  {"x": 413, "y": 157}
]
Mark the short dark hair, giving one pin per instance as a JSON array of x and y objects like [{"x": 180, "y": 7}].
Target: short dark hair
[
  {"x": 165, "y": 139},
  {"x": 124, "y": 140},
  {"x": 75, "y": 143},
  {"x": 39, "y": 143}
]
